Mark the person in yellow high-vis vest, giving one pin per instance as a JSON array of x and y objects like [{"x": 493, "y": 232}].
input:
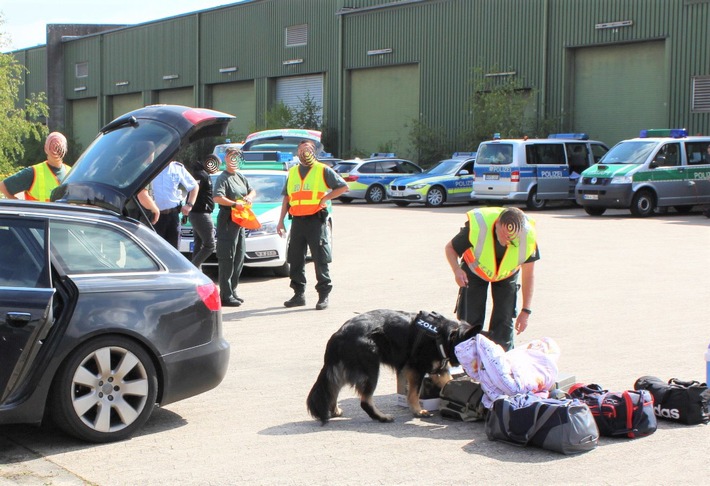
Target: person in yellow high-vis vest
[
  {"x": 309, "y": 187},
  {"x": 38, "y": 181},
  {"x": 494, "y": 247}
]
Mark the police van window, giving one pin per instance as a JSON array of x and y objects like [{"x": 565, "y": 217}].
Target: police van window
[
  {"x": 495, "y": 154},
  {"x": 545, "y": 154},
  {"x": 577, "y": 157},
  {"x": 698, "y": 152},
  {"x": 598, "y": 152},
  {"x": 668, "y": 155}
]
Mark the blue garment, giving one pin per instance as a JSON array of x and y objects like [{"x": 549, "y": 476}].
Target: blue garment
[{"x": 166, "y": 185}]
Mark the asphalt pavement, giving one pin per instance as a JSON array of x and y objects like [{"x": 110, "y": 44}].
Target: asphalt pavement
[{"x": 622, "y": 297}]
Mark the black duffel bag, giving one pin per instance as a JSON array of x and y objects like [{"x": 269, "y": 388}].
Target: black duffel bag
[
  {"x": 565, "y": 426},
  {"x": 460, "y": 399},
  {"x": 687, "y": 402}
]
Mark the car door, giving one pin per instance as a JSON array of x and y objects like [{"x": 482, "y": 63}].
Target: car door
[
  {"x": 669, "y": 176},
  {"x": 552, "y": 169},
  {"x": 25, "y": 298},
  {"x": 462, "y": 184},
  {"x": 698, "y": 160},
  {"x": 131, "y": 150}
]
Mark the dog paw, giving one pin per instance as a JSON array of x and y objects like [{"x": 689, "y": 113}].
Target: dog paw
[
  {"x": 423, "y": 414},
  {"x": 385, "y": 418},
  {"x": 338, "y": 412}
]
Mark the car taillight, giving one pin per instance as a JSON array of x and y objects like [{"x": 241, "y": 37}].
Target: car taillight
[
  {"x": 350, "y": 178},
  {"x": 515, "y": 176},
  {"x": 209, "y": 293}
]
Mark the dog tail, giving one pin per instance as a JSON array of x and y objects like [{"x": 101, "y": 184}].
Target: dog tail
[{"x": 322, "y": 400}]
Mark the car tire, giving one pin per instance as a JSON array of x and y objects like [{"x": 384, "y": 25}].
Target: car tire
[
  {"x": 533, "y": 202},
  {"x": 283, "y": 270},
  {"x": 594, "y": 211},
  {"x": 435, "y": 197},
  {"x": 375, "y": 194},
  {"x": 105, "y": 391},
  {"x": 401, "y": 204},
  {"x": 345, "y": 200},
  {"x": 643, "y": 204}
]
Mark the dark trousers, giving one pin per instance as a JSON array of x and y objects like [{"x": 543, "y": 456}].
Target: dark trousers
[
  {"x": 203, "y": 234},
  {"x": 168, "y": 225},
  {"x": 231, "y": 250},
  {"x": 309, "y": 232},
  {"x": 471, "y": 307}
]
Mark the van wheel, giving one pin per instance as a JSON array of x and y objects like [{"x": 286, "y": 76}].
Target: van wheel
[
  {"x": 533, "y": 202},
  {"x": 435, "y": 197},
  {"x": 594, "y": 211},
  {"x": 643, "y": 204},
  {"x": 375, "y": 194}
]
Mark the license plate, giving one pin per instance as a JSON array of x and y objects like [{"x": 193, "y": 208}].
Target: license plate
[
  {"x": 592, "y": 197},
  {"x": 397, "y": 193},
  {"x": 491, "y": 177}
]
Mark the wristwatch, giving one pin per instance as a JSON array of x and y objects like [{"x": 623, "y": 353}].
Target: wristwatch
[
  {"x": 526, "y": 310},
  {"x": 188, "y": 204}
]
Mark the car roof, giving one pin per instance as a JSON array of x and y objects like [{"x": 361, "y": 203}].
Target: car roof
[{"x": 118, "y": 163}]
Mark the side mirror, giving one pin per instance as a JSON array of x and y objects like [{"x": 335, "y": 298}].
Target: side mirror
[{"x": 463, "y": 172}]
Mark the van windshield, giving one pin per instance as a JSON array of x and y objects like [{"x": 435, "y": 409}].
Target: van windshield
[
  {"x": 631, "y": 152},
  {"x": 495, "y": 154}
]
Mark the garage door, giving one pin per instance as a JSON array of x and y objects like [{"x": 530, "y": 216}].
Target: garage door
[
  {"x": 293, "y": 90},
  {"x": 383, "y": 103},
  {"x": 182, "y": 96},
  {"x": 85, "y": 122},
  {"x": 237, "y": 99},
  {"x": 619, "y": 90},
  {"x": 122, "y": 104}
]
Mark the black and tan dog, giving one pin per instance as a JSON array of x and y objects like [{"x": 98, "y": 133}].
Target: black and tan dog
[{"x": 416, "y": 344}]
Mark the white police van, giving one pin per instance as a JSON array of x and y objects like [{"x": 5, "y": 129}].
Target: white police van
[
  {"x": 533, "y": 171},
  {"x": 659, "y": 169}
]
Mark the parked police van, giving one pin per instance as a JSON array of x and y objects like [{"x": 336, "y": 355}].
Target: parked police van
[
  {"x": 659, "y": 169},
  {"x": 533, "y": 171}
]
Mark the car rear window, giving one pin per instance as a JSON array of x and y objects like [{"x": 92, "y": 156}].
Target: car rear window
[{"x": 495, "y": 154}]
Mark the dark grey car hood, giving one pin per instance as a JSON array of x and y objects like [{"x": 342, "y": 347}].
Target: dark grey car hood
[{"x": 131, "y": 150}]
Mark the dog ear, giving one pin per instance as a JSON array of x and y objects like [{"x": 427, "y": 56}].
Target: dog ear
[{"x": 467, "y": 331}]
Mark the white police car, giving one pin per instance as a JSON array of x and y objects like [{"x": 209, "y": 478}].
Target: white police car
[{"x": 448, "y": 181}]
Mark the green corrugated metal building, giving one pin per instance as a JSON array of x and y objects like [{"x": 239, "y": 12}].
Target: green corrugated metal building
[{"x": 604, "y": 67}]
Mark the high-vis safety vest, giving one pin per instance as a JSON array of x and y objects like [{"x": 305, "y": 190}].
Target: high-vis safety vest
[
  {"x": 305, "y": 194},
  {"x": 44, "y": 182},
  {"x": 481, "y": 259}
]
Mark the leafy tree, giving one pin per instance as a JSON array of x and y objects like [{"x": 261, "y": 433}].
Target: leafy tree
[{"x": 20, "y": 120}]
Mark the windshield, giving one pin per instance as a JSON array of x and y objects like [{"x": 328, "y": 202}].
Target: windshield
[
  {"x": 495, "y": 154},
  {"x": 445, "y": 167},
  {"x": 121, "y": 156},
  {"x": 268, "y": 187},
  {"x": 277, "y": 144},
  {"x": 635, "y": 152}
]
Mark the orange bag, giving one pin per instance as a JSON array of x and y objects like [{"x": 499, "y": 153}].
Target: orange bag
[{"x": 245, "y": 217}]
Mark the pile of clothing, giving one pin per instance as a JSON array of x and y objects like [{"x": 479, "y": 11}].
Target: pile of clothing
[{"x": 528, "y": 369}]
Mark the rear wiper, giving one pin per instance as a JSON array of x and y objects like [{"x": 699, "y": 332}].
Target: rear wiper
[{"x": 118, "y": 123}]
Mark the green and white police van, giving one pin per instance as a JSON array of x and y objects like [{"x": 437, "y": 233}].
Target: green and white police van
[{"x": 659, "y": 169}]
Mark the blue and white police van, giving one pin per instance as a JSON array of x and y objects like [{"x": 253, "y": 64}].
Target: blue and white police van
[
  {"x": 450, "y": 180},
  {"x": 533, "y": 171}
]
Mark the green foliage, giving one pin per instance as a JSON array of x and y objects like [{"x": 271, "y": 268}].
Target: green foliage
[
  {"x": 19, "y": 123},
  {"x": 430, "y": 144},
  {"x": 307, "y": 115}
]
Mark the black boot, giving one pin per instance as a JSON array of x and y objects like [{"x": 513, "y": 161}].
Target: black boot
[
  {"x": 296, "y": 301},
  {"x": 322, "y": 302}
]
